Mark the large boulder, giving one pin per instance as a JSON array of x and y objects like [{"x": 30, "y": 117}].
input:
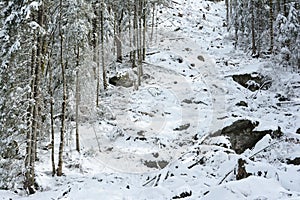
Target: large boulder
[
  {"x": 253, "y": 81},
  {"x": 121, "y": 80},
  {"x": 242, "y": 136}
]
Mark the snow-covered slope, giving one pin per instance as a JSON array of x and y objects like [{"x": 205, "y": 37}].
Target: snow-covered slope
[{"x": 150, "y": 145}]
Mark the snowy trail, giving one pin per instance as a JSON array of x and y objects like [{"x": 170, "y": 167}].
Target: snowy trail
[
  {"x": 193, "y": 43},
  {"x": 184, "y": 96}
]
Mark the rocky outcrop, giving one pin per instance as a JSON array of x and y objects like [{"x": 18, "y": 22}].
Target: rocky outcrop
[
  {"x": 182, "y": 127},
  {"x": 295, "y": 161},
  {"x": 122, "y": 80},
  {"x": 242, "y": 136},
  {"x": 242, "y": 103},
  {"x": 253, "y": 81}
]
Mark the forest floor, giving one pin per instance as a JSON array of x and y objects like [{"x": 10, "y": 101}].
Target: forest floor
[{"x": 149, "y": 144}]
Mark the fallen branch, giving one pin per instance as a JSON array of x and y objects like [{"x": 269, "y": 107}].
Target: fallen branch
[
  {"x": 149, "y": 181},
  {"x": 176, "y": 2},
  {"x": 152, "y": 53}
]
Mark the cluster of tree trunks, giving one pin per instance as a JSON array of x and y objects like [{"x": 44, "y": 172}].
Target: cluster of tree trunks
[
  {"x": 49, "y": 51},
  {"x": 267, "y": 27}
]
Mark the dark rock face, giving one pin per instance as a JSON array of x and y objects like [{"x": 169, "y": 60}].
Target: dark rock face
[
  {"x": 252, "y": 82},
  {"x": 183, "y": 195},
  {"x": 242, "y": 103},
  {"x": 156, "y": 164},
  {"x": 295, "y": 161},
  {"x": 123, "y": 81},
  {"x": 182, "y": 127},
  {"x": 298, "y": 131},
  {"x": 201, "y": 58},
  {"x": 242, "y": 136},
  {"x": 241, "y": 171}
]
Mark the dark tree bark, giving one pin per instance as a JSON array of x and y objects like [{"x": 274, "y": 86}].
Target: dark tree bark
[
  {"x": 253, "y": 28},
  {"x": 64, "y": 97},
  {"x": 271, "y": 18}
]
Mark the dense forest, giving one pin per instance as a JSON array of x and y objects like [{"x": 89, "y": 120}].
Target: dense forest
[
  {"x": 266, "y": 28},
  {"x": 57, "y": 56}
]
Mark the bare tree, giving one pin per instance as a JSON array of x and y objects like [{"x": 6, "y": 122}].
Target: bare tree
[{"x": 64, "y": 96}]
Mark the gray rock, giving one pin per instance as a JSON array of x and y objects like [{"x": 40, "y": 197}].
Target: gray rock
[
  {"x": 182, "y": 127},
  {"x": 201, "y": 58},
  {"x": 295, "y": 161},
  {"x": 242, "y": 103},
  {"x": 242, "y": 136},
  {"x": 253, "y": 81},
  {"x": 123, "y": 81},
  {"x": 156, "y": 164}
]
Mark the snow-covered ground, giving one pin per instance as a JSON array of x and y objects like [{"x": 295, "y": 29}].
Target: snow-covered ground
[{"x": 151, "y": 144}]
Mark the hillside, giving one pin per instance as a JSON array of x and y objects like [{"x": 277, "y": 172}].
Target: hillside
[{"x": 208, "y": 122}]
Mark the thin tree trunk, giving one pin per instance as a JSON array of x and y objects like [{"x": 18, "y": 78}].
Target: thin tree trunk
[
  {"x": 51, "y": 92},
  {"x": 77, "y": 100},
  {"x": 140, "y": 40},
  {"x": 98, "y": 76},
  {"x": 119, "y": 18},
  {"x": 96, "y": 53},
  {"x": 134, "y": 35},
  {"x": 52, "y": 120},
  {"x": 152, "y": 21},
  {"x": 102, "y": 47},
  {"x": 271, "y": 26},
  {"x": 64, "y": 99},
  {"x": 236, "y": 23},
  {"x": 253, "y": 28},
  {"x": 94, "y": 42},
  {"x": 285, "y": 8},
  {"x": 227, "y": 13},
  {"x": 144, "y": 29}
]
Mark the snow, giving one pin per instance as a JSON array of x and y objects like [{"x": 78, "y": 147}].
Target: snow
[
  {"x": 182, "y": 91},
  {"x": 250, "y": 188}
]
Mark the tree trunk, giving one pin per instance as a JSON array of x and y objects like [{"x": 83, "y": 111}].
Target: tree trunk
[
  {"x": 134, "y": 35},
  {"x": 271, "y": 26},
  {"x": 77, "y": 100},
  {"x": 236, "y": 28},
  {"x": 253, "y": 28},
  {"x": 144, "y": 29},
  {"x": 152, "y": 21},
  {"x": 96, "y": 54},
  {"x": 227, "y": 13},
  {"x": 285, "y": 8},
  {"x": 64, "y": 98},
  {"x": 102, "y": 47},
  {"x": 29, "y": 180},
  {"x": 52, "y": 120},
  {"x": 119, "y": 18}
]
